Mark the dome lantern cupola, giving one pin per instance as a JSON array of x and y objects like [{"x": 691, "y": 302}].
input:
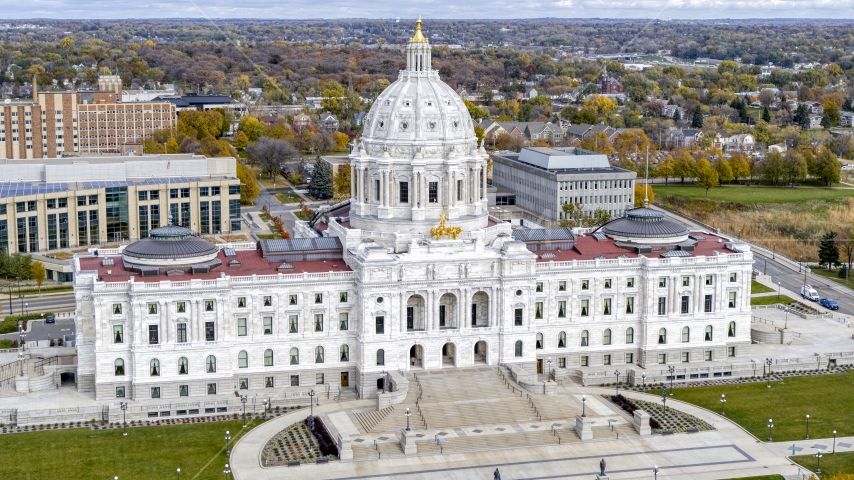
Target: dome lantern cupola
[{"x": 418, "y": 52}]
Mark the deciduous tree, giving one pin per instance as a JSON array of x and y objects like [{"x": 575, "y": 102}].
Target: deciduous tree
[{"x": 707, "y": 177}]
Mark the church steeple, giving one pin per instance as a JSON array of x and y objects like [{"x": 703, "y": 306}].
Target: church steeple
[{"x": 418, "y": 52}]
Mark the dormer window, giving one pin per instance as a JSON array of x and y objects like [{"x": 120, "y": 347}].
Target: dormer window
[{"x": 406, "y": 103}]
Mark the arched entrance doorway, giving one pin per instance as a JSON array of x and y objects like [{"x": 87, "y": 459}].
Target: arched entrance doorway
[
  {"x": 449, "y": 355},
  {"x": 480, "y": 353},
  {"x": 480, "y": 310},
  {"x": 415, "y": 313},
  {"x": 416, "y": 357},
  {"x": 448, "y": 311}
]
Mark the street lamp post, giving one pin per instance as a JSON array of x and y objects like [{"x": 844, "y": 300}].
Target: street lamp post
[
  {"x": 21, "y": 361},
  {"x": 672, "y": 370},
  {"x": 179, "y": 474},
  {"x": 311, "y": 398},
  {"x": 723, "y": 405},
  {"x": 768, "y": 373},
  {"x": 383, "y": 377},
  {"x": 818, "y": 456},
  {"x": 617, "y": 383},
  {"x": 643, "y": 377},
  {"x": 20, "y": 297},
  {"x": 11, "y": 308},
  {"x": 664, "y": 399},
  {"x": 124, "y": 406},
  {"x": 583, "y": 406},
  {"x": 770, "y": 429},
  {"x": 807, "y": 436},
  {"x": 227, "y": 442},
  {"x": 779, "y": 285},
  {"x": 834, "y": 443},
  {"x": 787, "y": 318},
  {"x": 407, "y": 414},
  {"x": 243, "y": 399},
  {"x": 27, "y": 311},
  {"x": 655, "y": 471},
  {"x": 226, "y": 471}
]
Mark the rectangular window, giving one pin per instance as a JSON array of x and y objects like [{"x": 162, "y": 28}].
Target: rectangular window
[
  {"x": 561, "y": 362},
  {"x": 686, "y": 357},
  {"x": 143, "y": 221},
  {"x": 155, "y": 216},
  {"x": 182, "y": 333},
  {"x": 203, "y": 191},
  {"x": 662, "y": 305},
  {"x": 377, "y": 190},
  {"x": 662, "y": 282},
  {"x": 234, "y": 189},
  {"x": 268, "y": 382},
  {"x": 295, "y": 380},
  {"x": 293, "y": 324},
  {"x": 292, "y": 299},
  {"x": 662, "y": 358},
  {"x": 93, "y": 199},
  {"x": 318, "y": 322},
  {"x": 606, "y": 310},
  {"x": 538, "y": 310},
  {"x": 118, "y": 334},
  {"x": 142, "y": 195},
  {"x": 153, "y": 337},
  {"x": 211, "y": 389},
  {"x": 607, "y": 283},
  {"x": 183, "y": 390},
  {"x": 539, "y": 287},
  {"x": 241, "y": 327},
  {"x": 155, "y": 392},
  {"x": 380, "y": 322},
  {"x": 343, "y": 321},
  {"x": 630, "y": 282},
  {"x": 433, "y": 192},
  {"x": 730, "y": 351},
  {"x": 81, "y": 200},
  {"x": 185, "y": 192},
  {"x": 517, "y": 317},
  {"x": 241, "y": 302},
  {"x": 268, "y": 301},
  {"x": 630, "y": 358},
  {"x": 404, "y": 192},
  {"x": 584, "y": 306},
  {"x": 561, "y": 286},
  {"x": 606, "y": 359},
  {"x": 51, "y": 203},
  {"x": 342, "y": 297},
  {"x": 209, "y": 305},
  {"x": 585, "y": 284},
  {"x": 268, "y": 325},
  {"x": 685, "y": 304},
  {"x": 154, "y": 194},
  {"x": 708, "y": 355},
  {"x": 707, "y": 303},
  {"x": 585, "y": 361},
  {"x": 318, "y": 379},
  {"x": 210, "y": 333},
  {"x": 243, "y": 383},
  {"x": 318, "y": 298},
  {"x": 561, "y": 309},
  {"x": 731, "y": 300},
  {"x": 733, "y": 277},
  {"x": 152, "y": 309},
  {"x": 459, "y": 190},
  {"x": 686, "y": 281},
  {"x": 215, "y": 191},
  {"x": 181, "y": 307},
  {"x": 120, "y": 392},
  {"x": 21, "y": 206},
  {"x": 710, "y": 279},
  {"x": 117, "y": 309},
  {"x": 630, "y": 305},
  {"x": 31, "y": 205}
]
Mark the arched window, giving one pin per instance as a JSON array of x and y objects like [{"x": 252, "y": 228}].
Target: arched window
[
  {"x": 268, "y": 358},
  {"x": 630, "y": 335},
  {"x": 518, "y": 348},
  {"x": 561, "y": 340},
  {"x": 606, "y": 337},
  {"x": 380, "y": 357},
  {"x": 242, "y": 359},
  {"x": 585, "y": 338},
  {"x": 344, "y": 353},
  {"x": 662, "y": 336},
  {"x": 731, "y": 330},
  {"x": 210, "y": 364},
  {"x": 709, "y": 331},
  {"x": 120, "y": 366},
  {"x": 539, "y": 341},
  {"x": 318, "y": 355},
  {"x": 183, "y": 366},
  {"x": 155, "y": 367},
  {"x": 294, "y": 356},
  {"x": 686, "y": 335}
]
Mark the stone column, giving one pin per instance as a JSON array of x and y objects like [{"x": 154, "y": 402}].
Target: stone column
[
  {"x": 354, "y": 184},
  {"x": 164, "y": 321}
]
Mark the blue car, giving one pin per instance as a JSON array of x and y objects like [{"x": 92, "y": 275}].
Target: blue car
[
  {"x": 829, "y": 303},
  {"x": 50, "y": 319}
]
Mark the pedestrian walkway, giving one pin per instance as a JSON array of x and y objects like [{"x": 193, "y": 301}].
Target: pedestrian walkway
[{"x": 812, "y": 446}]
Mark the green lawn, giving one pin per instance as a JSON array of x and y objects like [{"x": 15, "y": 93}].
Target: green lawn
[
  {"x": 146, "y": 453},
  {"x": 771, "y": 300},
  {"x": 761, "y": 477},
  {"x": 833, "y": 275},
  {"x": 756, "y": 287},
  {"x": 752, "y": 195},
  {"x": 302, "y": 216},
  {"x": 828, "y": 399},
  {"x": 831, "y": 464},
  {"x": 288, "y": 197}
]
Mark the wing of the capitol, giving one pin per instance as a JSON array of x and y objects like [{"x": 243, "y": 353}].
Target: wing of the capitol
[{"x": 412, "y": 273}]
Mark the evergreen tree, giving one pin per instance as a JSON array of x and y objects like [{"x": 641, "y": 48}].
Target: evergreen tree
[
  {"x": 846, "y": 105},
  {"x": 828, "y": 252},
  {"x": 766, "y": 115},
  {"x": 697, "y": 121},
  {"x": 677, "y": 117},
  {"x": 802, "y": 116},
  {"x": 321, "y": 180}
]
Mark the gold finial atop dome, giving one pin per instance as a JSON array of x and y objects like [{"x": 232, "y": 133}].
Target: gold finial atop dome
[{"x": 418, "y": 37}]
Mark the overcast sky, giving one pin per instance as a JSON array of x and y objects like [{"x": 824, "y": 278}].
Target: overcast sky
[{"x": 267, "y": 9}]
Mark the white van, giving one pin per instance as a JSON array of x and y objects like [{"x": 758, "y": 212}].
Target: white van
[{"x": 809, "y": 293}]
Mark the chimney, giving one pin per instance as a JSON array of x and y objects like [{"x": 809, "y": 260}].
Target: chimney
[{"x": 35, "y": 90}]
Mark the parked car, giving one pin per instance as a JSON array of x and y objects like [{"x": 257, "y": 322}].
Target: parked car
[
  {"x": 809, "y": 293},
  {"x": 829, "y": 303},
  {"x": 50, "y": 319}
]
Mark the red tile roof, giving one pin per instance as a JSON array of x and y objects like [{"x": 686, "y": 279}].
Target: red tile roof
[{"x": 588, "y": 248}]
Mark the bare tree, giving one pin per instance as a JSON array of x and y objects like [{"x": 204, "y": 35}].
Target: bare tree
[{"x": 268, "y": 153}]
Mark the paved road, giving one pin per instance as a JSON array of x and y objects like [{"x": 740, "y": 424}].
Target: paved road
[
  {"x": 37, "y": 305},
  {"x": 45, "y": 331}
]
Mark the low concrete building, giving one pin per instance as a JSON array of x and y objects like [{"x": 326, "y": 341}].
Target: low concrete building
[{"x": 546, "y": 178}]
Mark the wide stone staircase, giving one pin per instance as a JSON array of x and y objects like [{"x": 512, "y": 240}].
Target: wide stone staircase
[{"x": 369, "y": 420}]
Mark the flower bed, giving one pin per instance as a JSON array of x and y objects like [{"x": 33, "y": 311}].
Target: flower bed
[
  {"x": 294, "y": 443},
  {"x": 659, "y": 421}
]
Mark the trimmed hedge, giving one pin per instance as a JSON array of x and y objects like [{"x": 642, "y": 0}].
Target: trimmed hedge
[
  {"x": 630, "y": 408},
  {"x": 325, "y": 442},
  {"x": 10, "y": 323}
]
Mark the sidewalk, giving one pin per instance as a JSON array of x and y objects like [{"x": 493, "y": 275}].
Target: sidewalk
[{"x": 810, "y": 447}]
